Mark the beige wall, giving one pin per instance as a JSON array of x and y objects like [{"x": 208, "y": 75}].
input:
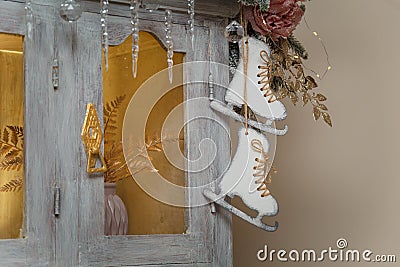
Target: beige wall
[{"x": 344, "y": 181}]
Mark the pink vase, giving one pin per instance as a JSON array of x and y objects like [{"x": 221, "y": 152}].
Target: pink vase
[{"x": 116, "y": 216}]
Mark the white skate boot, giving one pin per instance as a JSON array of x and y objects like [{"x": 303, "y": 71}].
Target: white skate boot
[
  {"x": 247, "y": 177},
  {"x": 248, "y": 174},
  {"x": 258, "y": 103}
]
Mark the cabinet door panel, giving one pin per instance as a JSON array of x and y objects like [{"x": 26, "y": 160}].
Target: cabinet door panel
[
  {"x": 196, "y": 245},
  {"x": 35, "y": 247}
]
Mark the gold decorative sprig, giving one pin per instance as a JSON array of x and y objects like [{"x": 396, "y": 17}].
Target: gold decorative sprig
[
  {"x": 287, "y": 78},
  {"x": 13, "y": 185},
  {"x": 155, "y": 142},
  {"x": 119, "y": 168},
  {"x": 110, "y": 113}
]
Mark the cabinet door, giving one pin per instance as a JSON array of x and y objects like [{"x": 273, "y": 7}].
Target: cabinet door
[
  {"x": 54, "y": 157},
  {"x": 28, "y": 142},
  {"x": 205, "y": 239}
]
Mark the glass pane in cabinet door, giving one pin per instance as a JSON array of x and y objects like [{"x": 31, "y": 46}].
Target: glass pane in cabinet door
[
  {"x": 155, "y": 147},
  {"x": 12, "y": 136}
]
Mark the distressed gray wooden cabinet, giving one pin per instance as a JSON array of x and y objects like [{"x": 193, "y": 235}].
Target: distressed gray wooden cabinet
[{"x": 55, "y": 157}]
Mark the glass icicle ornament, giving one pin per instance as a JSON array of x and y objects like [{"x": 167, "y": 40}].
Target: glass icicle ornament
[
  {"x": 191, "y": 21},
  {"x": 169, "y": 42},
  {"x": 29, "y": 18},
  {"x": 70, "y": 10},
  {"x": 104, "y": 30},
  {"x": 234, "y": 32},
  {"x": 135, "y": 35}
]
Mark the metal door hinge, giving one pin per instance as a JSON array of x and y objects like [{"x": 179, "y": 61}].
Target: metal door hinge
[
  {"x": 213, "y": 209},
  {"x": 57, "y": 198},
  {"x": 55, "y": 73}
]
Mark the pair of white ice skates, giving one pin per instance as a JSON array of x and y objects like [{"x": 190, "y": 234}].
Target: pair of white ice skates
[{"x": 247, "y": 176}]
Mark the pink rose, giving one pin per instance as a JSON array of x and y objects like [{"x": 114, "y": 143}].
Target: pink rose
[{"x": 280, "y": 20}]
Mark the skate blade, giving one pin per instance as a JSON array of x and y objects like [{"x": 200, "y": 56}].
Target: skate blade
[
  {"x": 258, "y": 125},
  {"x": 219, "y": 199}
]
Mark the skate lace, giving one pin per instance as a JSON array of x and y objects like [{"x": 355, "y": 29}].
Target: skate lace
[
  {"x": 263, "y": 168},
  {"x": 264, "y": 74}
]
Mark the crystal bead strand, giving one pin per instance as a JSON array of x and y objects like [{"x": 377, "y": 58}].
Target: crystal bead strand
[
  {"x": 135, "y": 35},
  {"x": 70, "y": 10},
  {"x": 29, "y": 18},
  {"x": 191, "y": 21},
  {"x": 210, "y": 75},
  {"x": 234, "y": 32},
  {"x": 169, "y": 42},
  {"x": 103, "y": 20}
]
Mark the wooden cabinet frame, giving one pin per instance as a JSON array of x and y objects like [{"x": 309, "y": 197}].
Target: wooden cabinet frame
[
  {"x": 55, "y": 156},
  {"x": 36, "y": 248}
]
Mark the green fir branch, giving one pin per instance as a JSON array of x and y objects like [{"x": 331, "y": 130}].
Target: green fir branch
[
  {"x": 264, "y": 4},
  {"x": 297, "y": 47}
]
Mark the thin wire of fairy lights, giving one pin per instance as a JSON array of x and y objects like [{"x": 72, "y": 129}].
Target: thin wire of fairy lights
[{"x": 329, "y": 67}]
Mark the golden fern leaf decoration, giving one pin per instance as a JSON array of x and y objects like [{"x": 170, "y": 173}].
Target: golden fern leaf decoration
[
  {"x": 12, "y": 136},
  {"x": 12, "y": 155},
  {"x": 5, "y": 149},
  {"x": 6, "y": 135},
  {"x": 110, "y": 114},
  {"x": 11, "y": 148},
  {"x": 17, "y": 135},
  {"x": 13, "y": 164},
  {"x": 14, "y": 185}
]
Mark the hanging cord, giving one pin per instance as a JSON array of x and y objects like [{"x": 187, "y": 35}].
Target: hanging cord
[
  {"x": 245, "y": 49},
  {"x": 245, "y": 55},
  {"x": 210, "y": 75}
]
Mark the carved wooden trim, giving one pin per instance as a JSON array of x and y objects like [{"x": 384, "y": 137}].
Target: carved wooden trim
[
  {"x": 120, "y": 29},
  {"x": 219, "y": 8}
]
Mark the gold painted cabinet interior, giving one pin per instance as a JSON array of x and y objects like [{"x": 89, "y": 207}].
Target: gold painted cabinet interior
[
  {"x": 146, "y": 214},
  {"x": 11, "y": 142}
]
